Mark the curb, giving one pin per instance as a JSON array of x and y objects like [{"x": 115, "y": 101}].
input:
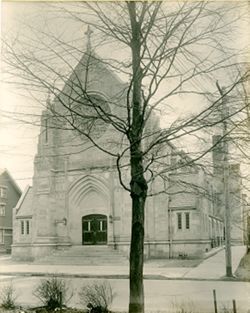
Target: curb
[{"x": 118, "y": 276}]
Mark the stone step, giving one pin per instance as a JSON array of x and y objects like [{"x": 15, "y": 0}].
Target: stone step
[
  {"x": 80, "y": 261},
  {"x": 83, "y": 261},
  {"x": 87, "y": 250},
  {"x": 85, "y": 255}
]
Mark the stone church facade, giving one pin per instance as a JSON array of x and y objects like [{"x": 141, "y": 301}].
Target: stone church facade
[{"x": 77, "y": 200}]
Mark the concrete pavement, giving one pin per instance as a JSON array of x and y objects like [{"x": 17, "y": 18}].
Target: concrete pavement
[
  {"x": 212, "y": 268},
  {"x": 215, "y": 267}
]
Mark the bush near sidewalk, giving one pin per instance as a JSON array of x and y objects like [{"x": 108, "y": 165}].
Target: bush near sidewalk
[
  {"x": 97, "y": 297},
  {"x": 8, "y": 297},
  {"x": 53, "y": 292}
]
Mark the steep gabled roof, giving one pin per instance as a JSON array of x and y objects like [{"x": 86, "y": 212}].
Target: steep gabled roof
[
  {"x": 91, "y": 59},
  {"x": 4, "y": 170},
  {"x": 24, "y": 205},
  {"x": 91, "y": 64}
]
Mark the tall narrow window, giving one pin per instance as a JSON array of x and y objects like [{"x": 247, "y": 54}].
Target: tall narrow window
[
  {"x": 2, "y": 209},
  {"x": 27, "y": 227},
  {"x": 22, "y": 227},
  {"x": 3, "y": 192},
  {"x": 187, "y": 220},
  {"x": 179, "y": 221}
]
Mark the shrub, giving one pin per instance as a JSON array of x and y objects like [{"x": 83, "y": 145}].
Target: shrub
[
  {"x": 97, "y": 296},
  {"x": 50, "y": 290},
  {"x": 8, "y": 297}
]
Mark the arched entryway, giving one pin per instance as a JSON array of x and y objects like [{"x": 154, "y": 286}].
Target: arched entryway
[{"x": 94, "y": 229}]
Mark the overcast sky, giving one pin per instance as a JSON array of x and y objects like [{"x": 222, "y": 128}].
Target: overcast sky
[{"x": 18, "y": 141}]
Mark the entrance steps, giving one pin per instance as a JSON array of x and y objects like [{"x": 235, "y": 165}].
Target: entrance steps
[{"x": 85, "y": 255}]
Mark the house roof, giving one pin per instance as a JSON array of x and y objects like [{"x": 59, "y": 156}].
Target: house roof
[
  {"x": 24, "y": 205},
  {"x": 4, "y": 170}
]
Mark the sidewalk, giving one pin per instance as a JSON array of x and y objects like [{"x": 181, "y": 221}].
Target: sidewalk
[
  {"x": 212, "y": 268},
  {"x": 215, "y": 267}
]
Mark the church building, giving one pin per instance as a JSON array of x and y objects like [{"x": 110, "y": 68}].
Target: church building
[{"x": 77, "y": 200}]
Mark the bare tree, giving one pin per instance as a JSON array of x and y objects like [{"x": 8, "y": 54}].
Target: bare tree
[{"x": 171, "y": 49}]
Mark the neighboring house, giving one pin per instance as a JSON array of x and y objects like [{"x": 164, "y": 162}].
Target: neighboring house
[
  {"x": 9, "y": 196},
  {"x": 76, "y": 198}
]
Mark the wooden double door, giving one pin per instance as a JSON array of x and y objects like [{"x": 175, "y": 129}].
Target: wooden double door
[{"x": 94, "y": 229}]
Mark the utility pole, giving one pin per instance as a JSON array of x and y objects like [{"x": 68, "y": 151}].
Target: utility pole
[
  {"x": 227, "y": 210},
  {"x": 170, "y": 231}
]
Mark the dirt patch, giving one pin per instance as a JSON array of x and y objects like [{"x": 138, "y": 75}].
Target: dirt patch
[{"x": 243, "y": 270}]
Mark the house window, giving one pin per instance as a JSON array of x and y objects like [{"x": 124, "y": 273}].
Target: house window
[
  {"x": 1, "y": 236},
  {"x": 2, "y": 209},
  {"x": 187, "y": 220},
  {"x": 22, "y": 227},
  {"x": 179, "y": 221},
  {"x": 3, "y": 192}
]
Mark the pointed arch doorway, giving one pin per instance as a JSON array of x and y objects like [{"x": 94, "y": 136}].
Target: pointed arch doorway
[{"x": 94, "y": 229}]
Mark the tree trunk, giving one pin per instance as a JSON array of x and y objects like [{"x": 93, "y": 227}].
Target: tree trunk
[
  {"x": 138, "y": 195},
  {"x": 138, "y": 183}
]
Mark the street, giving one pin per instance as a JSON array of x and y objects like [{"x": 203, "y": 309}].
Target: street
[{"x": 160, "y": 295}]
